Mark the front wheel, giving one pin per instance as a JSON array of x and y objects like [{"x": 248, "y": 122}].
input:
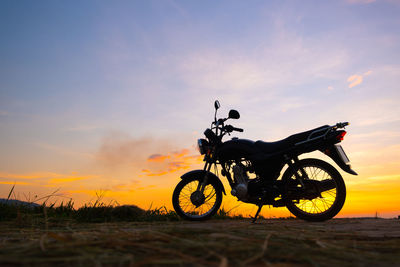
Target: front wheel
[
  {"x": 191, "y": 204},
  {"x": 321, "y": 197}
]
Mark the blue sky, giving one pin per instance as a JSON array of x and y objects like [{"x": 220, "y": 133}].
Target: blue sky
[{"x": 75, "y": 75}]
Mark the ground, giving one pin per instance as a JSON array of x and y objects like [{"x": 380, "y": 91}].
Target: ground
[{"x": 274, "y": 242}]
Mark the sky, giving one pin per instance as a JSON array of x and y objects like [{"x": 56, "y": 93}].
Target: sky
[{"x": 108, "y": 98}]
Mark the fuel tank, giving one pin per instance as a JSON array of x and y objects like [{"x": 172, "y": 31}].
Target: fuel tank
[{"x": 236, "y": 149}]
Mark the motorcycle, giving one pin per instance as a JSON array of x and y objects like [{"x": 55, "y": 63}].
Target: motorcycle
[{"x": 311, "y": 189}]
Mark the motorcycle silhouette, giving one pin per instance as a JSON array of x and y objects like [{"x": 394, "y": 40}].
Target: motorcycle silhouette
[{"x": 311, "y": 189}]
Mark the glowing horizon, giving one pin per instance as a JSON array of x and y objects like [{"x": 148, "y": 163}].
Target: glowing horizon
[{"x": 108, "y": 98}]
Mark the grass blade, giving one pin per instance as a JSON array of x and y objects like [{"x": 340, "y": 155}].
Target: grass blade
[{"x": 11, "y": 191}]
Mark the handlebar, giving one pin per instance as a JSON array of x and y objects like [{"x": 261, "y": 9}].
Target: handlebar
[
  {"x": 238, "y": 129},
  {"x": 341, "y": 124},
  {"x": 230, "y": 128}
]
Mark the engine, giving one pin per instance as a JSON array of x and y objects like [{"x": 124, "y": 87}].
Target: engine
[{"x": 241, "y": 180}]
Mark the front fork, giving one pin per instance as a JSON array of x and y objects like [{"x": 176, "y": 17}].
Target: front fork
[{"x": 202, "y": 185}]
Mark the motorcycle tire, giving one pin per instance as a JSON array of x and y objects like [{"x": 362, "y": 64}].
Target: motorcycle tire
[
  {"x": 185, "y": 208},
  {"x": 325, "y": 206}
]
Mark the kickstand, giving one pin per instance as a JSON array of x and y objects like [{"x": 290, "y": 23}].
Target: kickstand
[{"x": 258, "y": 212}]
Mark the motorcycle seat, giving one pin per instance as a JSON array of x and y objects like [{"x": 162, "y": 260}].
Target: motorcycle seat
[{"x": 271, "y": 147}]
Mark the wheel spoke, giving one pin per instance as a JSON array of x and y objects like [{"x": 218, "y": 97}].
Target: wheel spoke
[
  {"x": 327, "y": 198},
  {"x": 186, "y": 204}
]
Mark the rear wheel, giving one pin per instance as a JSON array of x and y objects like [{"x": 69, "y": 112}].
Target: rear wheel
[
  {"x": 191, "y": 204},
  {"x": 323, "y": 194}
]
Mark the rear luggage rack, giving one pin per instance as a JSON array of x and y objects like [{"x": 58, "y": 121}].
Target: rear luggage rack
[{"x": 324, "y": 132}]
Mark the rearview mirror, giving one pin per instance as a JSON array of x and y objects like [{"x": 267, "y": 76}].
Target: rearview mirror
[
  {"x": 216, "y": 104},
  {"x": 233, "y": 114}
]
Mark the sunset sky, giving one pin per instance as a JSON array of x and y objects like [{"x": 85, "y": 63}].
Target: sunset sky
[{"x": 101, "y": 96}]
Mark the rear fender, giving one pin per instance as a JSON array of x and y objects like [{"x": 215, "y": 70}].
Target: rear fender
[
  {"x": 200, "y": 174},
  {"x": 333, "y": 153}
]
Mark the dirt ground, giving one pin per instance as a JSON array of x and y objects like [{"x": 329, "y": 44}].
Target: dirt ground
[{"x": 275, "y": 242}]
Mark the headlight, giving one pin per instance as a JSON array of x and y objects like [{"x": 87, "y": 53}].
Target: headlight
[{"x": 202, "y": 146}]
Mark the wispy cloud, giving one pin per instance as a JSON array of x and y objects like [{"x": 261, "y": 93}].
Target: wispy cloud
[
  {"x": 211, "y": 69},
  {"x": 354, "y": 80},
  {"x": 178, "y": 8},
  {"x": 268, "y": 70},
  {"x": 84, "y": 128},
  {"x": 118, "y": 149},
  {"x": 386, "y": 178},
  {"x": 158, "y": 158},
  {"x": 357, "y": 79},
  {"x": 262, "y": 72},
  {"x": 377, "y": 111},
  {"x": 16, "y": 183},
  {"x": 294, "y": 103},
  {"x": 360, "y": 1},
  {"x": 35, "y": 175},
  {"x": 69, "y": 179},
  {"x": 170, "y": 163},
  {"x": 377, "y": 134},
  {"x": 63, "y": 150},
  {"x": 367, "y": 73},
  {"x": 113, "y": 189},
  {"x": 43, "y": 178},
  {"x": 379, "y": 179}
]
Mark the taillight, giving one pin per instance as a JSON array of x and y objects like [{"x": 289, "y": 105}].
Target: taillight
[{"x": 341, "y": 135}]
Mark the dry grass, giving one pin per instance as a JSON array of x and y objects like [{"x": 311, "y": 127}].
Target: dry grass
[
  {"x": 99, "y": 234},
  {"x": 345, "y": 242}
]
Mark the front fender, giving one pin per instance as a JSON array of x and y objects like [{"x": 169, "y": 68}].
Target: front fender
[{"x": 201, "y": 173}]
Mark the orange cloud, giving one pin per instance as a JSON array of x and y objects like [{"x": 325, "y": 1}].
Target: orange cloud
[
  {"x": 42, "y": 179},
  {"x": 150, "y": 173},
  {"x": 182, "y": 153},
  {"x": 367, "y": 73},
  {"x": 121, "y": 151},
  {"x": 157, "y": 158},
  {"x": 356, "y": 79},
  {"x": 173, "y": 162},
  {"x": 16, "y": 183},
  {"x": 68, "y": 179},
  {"x": 38, "y": 175}
]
